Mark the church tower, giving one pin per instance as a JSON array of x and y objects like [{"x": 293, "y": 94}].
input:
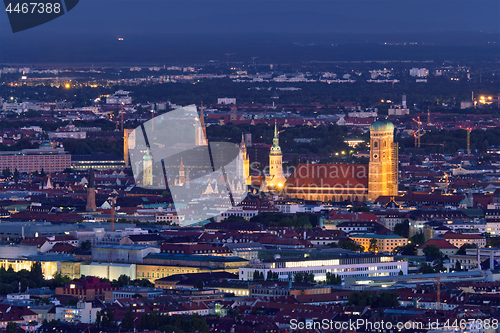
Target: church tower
[
  {"x": 275, "y": 162},
  {"x": 147, "y": 169},
  {"x": 182, "y": 174},
  {"x": 91, "y": 207},
  {"x": 233, "y": 114},
  {"x": 246, "y": 160},
  {"x": 383, "y": 167},
  {"x": 201, "y": 130}
]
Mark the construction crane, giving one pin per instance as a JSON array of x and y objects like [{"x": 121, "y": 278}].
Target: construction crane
[
  {"x": 468, "y": 129},
  {"x": 121, "y": 115},
  {"x": 31, "y": 172},
  {"x": 438, "y": 303},
  {"x": 417, "y": 134},
  {"x": 253, "y": 60},
  {"x": 227, "y": 55},
  {"x": 152, "y": 117}
]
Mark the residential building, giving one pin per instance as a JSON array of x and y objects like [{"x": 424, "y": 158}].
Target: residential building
[
  {"x": 130, "y": 292},
  {"x": 88, "y": 288},
  {"x": 460, "y": 239},
  {"x": 385, "y": 243},
  {"x": 83, "y": 312},
  {"x": 443, "y": 245}
]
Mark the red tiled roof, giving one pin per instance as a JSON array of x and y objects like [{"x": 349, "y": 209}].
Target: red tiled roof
[
  {"x": 453, "y": 235},
  {"x": 333, "y": 176},
  {"x": 62, "y": 248},
  {"x": 440, "y": 243}
]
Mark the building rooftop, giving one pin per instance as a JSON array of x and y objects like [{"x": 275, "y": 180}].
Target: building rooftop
[
  {"x": 376, "y": 236},
  {"x": 193, "y": 257}
]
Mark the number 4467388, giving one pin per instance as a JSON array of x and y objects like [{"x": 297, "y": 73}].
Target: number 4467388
[{"x": 34, "y": 7}]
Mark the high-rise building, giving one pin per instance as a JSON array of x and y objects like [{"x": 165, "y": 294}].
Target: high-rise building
[
  {"x": 29, "y": 160},
  {"x": 383, "y": 174}
]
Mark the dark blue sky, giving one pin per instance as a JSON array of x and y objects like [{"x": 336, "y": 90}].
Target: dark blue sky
[
  {"x": 209, "y": 28},
  {"x": 121, "y": 17}
]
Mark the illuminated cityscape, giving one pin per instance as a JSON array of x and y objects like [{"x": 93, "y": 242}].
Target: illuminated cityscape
[{"x": 301, "y": 171}]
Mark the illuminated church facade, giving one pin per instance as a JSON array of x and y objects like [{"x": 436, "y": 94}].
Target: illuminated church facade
[{"x": 348, "y": 182}]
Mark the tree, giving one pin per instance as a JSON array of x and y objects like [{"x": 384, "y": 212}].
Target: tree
[
  {"x": 406, "y": 250},
  {"x": 123, "y": 280},
  {"x": 418, "y": 239},
  {"x": 350, "y": 245},
  {"x": 86, "y": 245},
  {"x": 427, "y": 269},
  {"x": 303, "y": 277},
  {"x": 298, "y": 277},
  {"x": 373, "y": 247},
  {"x": 458, "y": 266},
  {"x": 108, "y": 319},
  {"x": 128, "y": 320},
  {"x": 36, "y": 274},
  {"x": 11, "y": 327},
  {"x": 256, "y": 275},
  {"x": 432, "y": 251},
  {"x": 234, "y": 218},
  {"x": 461, "y": 250},
  {"x": 6, "y": 173},
  {"x": 333, "y": 279},
  {"x": 493, "y": 242},
  {"x": 402, "y": 229},
  {"x": 401, "y": 273},
  {"x": 16, "y": 175},
  {"x": 98, "y": 319},
  {"x": 142, "y": 283},
  {"x": 272, "y": 276},
  {"x": 199, "y": 284}
]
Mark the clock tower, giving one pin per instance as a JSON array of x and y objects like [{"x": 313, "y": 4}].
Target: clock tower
[{"x": 383, "y": 167}]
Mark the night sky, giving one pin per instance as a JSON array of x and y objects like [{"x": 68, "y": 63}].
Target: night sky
[{"x": 102, "y": 20}]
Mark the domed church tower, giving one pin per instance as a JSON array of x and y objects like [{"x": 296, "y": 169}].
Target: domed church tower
[{"x": 383, "y": 167}]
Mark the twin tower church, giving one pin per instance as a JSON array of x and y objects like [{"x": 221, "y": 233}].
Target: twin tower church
[{"x": 320, "y": 182}]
